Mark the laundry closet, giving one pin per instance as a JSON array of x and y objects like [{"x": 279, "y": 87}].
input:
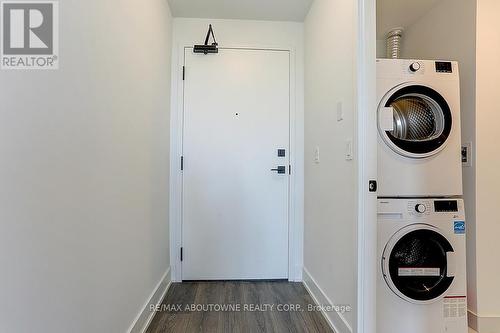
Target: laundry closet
[{"x": 425, "y": 54}]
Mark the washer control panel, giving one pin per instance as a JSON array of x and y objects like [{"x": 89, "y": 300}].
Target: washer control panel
[
  {"x": 419, "y": 207},
  {"x": 446, "y": 206}
]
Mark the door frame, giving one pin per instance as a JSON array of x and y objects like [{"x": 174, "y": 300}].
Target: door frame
[
  {"x": 296, "y": 187},
  {"x": 367, "y": 136}
]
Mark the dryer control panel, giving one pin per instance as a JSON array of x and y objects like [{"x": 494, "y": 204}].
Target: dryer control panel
[
  {"x": 416, "y": 69},
  {"x": 444, "y": 67}
]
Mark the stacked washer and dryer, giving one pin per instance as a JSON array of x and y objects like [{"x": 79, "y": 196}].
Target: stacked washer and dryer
[{"x": 421, "y": 283}]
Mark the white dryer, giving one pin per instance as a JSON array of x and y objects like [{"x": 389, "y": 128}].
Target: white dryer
[
  {"x": 421, "y": 284},
  {"x": 419, "y": 148}
]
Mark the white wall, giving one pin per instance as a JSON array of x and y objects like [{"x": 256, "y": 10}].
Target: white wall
[
  {"x": 448, "y": 32},
  {"x": 240, "y": 33},
  {"x": 330, "y": 248},
  {"x": 381, "y": 48},
  {"x": 487, "y": 166},
  {"x": 84, "y": 173}
]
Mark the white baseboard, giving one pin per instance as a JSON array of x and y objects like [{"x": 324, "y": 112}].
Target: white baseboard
[
  {"x": 143, "y": 319},
  {"x": 483, "y": 324},
  {"x": 335, "y": 319},
  {"x": 472, "y": 320}
]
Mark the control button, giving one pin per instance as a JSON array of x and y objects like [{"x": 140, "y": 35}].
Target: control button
[
  {"x": 420, "y": 208},
  {"x": 414, "y": 67}
]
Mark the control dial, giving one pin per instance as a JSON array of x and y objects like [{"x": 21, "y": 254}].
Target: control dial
[
  {"x": 414, "y": 67},
  {"x": 420, "y": 208}
]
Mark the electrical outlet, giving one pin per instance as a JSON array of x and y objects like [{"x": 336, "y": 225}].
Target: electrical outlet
[{"x": 467, "y": 154}]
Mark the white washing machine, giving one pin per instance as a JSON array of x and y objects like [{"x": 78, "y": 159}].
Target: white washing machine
[
  {"x": 419, "y": 150},
  {"x": 421, "y": 284}
]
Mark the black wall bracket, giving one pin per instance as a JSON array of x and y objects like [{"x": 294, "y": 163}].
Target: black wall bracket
[{"x": 206, "y": 48}]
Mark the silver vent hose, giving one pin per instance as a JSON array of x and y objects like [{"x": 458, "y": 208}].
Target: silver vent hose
[{"x": 394, "y": 43}]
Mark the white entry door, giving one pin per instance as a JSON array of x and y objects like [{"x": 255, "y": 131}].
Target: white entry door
[{"x": 236, "y": 126}]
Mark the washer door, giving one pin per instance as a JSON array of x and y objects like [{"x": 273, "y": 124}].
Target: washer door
[
  {"x": 415, "y": 121},
  {"x": 415, "y": 264}
]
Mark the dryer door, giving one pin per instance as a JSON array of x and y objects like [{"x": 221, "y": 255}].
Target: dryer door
[
  {"x": 414, "y": 120},
  {"x": 415, "y": 264}
]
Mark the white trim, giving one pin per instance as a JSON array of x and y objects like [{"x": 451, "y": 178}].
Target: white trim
[
  {"x": 472, "y": 319},
  {"x": 336, "y": 320},
  {"x": 175, "y": 172},
  {"x": 367, "y": 167},
  {"x": 483, "y": 324},
  {"x": 144, "y": 318},
  {"x": 296, "y": 206}
]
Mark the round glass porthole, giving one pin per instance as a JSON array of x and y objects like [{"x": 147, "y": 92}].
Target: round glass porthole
[
  {"x": 415, "y": 264},
  {"x": 422, "y": 121}
]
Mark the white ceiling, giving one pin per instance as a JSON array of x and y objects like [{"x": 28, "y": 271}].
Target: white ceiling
[
  {"x": 274, "y": 10},
  {"x": 400, "y": 13}
]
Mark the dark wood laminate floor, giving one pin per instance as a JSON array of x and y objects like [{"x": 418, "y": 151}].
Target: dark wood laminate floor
[{"x": 175, "y": 317}]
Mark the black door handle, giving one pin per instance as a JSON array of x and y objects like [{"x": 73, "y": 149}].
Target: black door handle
[{"x": 280, "y": 169}]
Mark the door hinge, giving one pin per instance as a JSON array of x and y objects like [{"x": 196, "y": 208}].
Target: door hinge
[
  {"x": 183, "y": 73},
  {"x": 181, "y": 254},
  {"x": 182, "y": 163},
  {"x": 289, "y": 169}
]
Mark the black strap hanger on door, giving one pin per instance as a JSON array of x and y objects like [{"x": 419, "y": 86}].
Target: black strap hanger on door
[{"x": 206, "y": 48}]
